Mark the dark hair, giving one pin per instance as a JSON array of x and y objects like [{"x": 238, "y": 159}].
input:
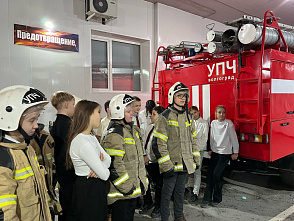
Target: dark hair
[
  {"x": 193, "y": 108},
  {"x": 106, "y": 105},
  {"x": 159, "y": 109},
  {"x": 81, "y": 120},
  {"x": 150, "y": 104},
  {"x": 136, "y": 98}
]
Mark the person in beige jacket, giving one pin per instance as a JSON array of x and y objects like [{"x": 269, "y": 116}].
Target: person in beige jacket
[
  {"x": 174, "y": 145},
  {"x": 43, "y": 144},
  {"x": 22, "y": 190},
  {"x": 123, "y": 143}
]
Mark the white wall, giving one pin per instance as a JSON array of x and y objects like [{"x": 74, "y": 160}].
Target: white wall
[
  {"x": 174, "y": 26},
  {"x": 52, "y": 70}
]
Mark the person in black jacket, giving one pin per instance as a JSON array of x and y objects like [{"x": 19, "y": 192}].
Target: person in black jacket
[{"x": 64, "y": 103}]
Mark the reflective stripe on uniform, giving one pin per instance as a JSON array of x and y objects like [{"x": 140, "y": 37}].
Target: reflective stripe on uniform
[
  {"x": 113, "y": 152},
  {"x": 122, "y": 179},
  {"x": 48, "y": 197},
  {"x": 178, "y": 167},
  {"x": 36, "y": 159},
  {"x": 119, "y": 194},
  {"x": 163, "y": 159},
  {"x": 39, "y": 157},
  {"x": 48, "y": 156},
  {"x": 23, "y": 173},
  {"x": 173, "y": 123},
  {"x": 137, "y": 134},
  {"x": 129, "y": 141},
  {"x": 188, "y": 123},
  {"x": 194, "y": 165},
  {"x": 54, "y": 202},
  {"x": 196, "y": 153},
  {"x": 147, "y": 181},
  {"x": 159, "y": 135},
  {"x": 194, "y": 134},
  {"x": 6, "y": 200}
]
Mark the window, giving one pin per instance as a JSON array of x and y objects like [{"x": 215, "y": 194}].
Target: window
[
  {"x": 116, "y": 65},
  {"x": 99, "y": 64}
]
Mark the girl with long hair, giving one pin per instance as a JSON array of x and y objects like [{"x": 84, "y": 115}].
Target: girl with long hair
[{"x": 90, "y": 162}]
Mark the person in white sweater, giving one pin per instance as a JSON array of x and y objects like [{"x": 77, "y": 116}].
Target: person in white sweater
[
  {"x": 90, "y": 163},
  {"x": 224, "y": 146},
  {"x": 201, "y": 127}
]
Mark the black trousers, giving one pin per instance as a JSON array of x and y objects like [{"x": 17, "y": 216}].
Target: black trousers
[
  {"x": 123, "y": 210},
  {"x": 65, "y": 198},
  {"x": 173, "y": 185},
  {"x": 89, "y": 199},
  {"x": 155, "y": 177},
  {"x": 213, "y": 190}
]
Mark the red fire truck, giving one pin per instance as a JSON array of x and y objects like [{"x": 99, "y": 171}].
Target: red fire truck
[{"x": 256, "y": 86}]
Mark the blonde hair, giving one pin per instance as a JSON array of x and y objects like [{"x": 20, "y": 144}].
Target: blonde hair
[
  {"x": 219, "y": 107},
  {"x": 58, "y": 98}
]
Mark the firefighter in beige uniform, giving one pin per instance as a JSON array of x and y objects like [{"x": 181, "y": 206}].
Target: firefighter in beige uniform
[
  {"x": 128, "y": 179},
  {"x": 174, "y": 145},
  {"x": 43, "y": 144},
  {"x": 22, "y": 189}
]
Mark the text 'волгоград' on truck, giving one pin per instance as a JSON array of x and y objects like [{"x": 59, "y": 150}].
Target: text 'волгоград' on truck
[{"x": 250, "y": 70}]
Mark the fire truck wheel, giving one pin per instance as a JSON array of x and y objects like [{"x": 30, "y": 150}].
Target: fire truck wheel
[{"x": 287, "y": 177}]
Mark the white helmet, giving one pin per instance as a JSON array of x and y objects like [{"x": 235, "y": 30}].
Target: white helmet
[
  {"x": 179, "y": 86},
  {"x": 14, "y": 100},
  {"x": 117, "y": 106}
]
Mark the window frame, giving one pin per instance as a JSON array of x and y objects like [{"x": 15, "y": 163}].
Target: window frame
[{"x": 109, "y": 41}]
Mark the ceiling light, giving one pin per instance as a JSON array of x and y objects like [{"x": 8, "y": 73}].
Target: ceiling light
[{"x": 49, "y": 25}]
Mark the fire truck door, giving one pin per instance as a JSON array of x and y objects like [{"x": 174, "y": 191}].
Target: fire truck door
[{"x": 208, "y": 96}]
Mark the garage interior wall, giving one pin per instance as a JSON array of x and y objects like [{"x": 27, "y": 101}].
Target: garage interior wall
[{"x": 54, "y": 70}]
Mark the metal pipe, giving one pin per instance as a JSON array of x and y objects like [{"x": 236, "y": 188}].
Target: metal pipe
[
  {"x": 250, "y": 34},
  {"x": 217, "y": 47},
  {"x": 215, "y": 36},
  {"x": 229, "y": 38}
]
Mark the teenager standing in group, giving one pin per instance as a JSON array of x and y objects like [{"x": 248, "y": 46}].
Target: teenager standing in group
[
  {"x": 64, "y": 103},
  {"x": 86, "y": 156},
  {"x": 22, "y": 189},
  {"x": 152, "y": 168},
  {"x": 224, "y": 146},
  {"x": 122, "y": 142},
  {"x": 201, "y": 127},
  {"x": 176, "y": 150},
  {"x": 137, "y": 120}
]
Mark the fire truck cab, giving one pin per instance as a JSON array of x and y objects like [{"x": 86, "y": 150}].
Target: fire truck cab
[{"x": 255, "y": 85}]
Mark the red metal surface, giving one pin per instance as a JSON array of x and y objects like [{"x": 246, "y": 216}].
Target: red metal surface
[
  {"x": 282, "y": 138},
  {"x": 216, "y": 81},
  {"x": 221, "y": 75},
  {"x": 255, "y": 96}
]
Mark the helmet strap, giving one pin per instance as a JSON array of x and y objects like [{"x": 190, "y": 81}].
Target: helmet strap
[
  {"x": 27, "y": 138},
  {"x": 129, "y": 123},
  {"x": 1, "y": 135},
  {"x": 179, "y": 105}
]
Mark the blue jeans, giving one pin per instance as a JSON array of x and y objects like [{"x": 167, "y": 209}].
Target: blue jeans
[{"x": 213, "y": 190}]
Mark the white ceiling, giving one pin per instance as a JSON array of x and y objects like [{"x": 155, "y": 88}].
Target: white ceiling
[{"x": 229, "y": 10}]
